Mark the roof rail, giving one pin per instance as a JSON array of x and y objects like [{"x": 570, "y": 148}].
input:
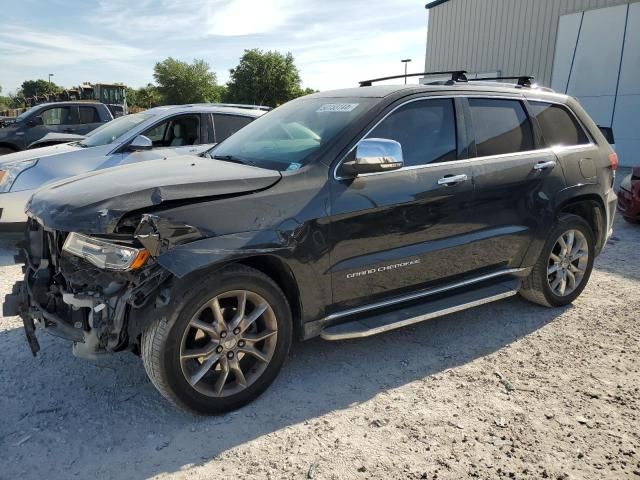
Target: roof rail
[
  {"x": 522, "y": 80},
  {"x": 242, "y": 105},
  {"x": 456, "y": 76}
]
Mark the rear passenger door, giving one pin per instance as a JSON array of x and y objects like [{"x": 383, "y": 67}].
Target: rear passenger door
[
  {"x": 516, "y": 178},
  {"x": 395, "y": 231}
]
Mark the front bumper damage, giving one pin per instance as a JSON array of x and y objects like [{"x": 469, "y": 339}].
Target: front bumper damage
[{"x": 69, "y": 298}]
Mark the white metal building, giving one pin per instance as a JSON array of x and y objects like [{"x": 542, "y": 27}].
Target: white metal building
[{"x": 587, "y": 48}]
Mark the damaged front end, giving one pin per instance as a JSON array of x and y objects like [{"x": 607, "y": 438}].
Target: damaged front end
[{"x": 84, "y": 289}]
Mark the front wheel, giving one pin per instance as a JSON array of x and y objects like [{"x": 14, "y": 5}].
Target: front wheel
[
  {"x": 222, "y": 345},
  {"x": 564, "y": 266}
]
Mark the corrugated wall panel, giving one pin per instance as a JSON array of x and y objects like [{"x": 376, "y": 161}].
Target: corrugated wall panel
[{"x": 514, "y": 36}]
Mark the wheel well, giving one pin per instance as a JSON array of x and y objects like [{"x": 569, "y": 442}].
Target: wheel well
[
  {"x": 280, "y": 273},
  {"x": 8, "y": 145},
  {"x": 592, "y": 210}
]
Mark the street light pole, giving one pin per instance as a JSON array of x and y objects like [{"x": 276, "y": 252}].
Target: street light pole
[
  {"x": 50, "y": 75},
  {"x": 405, "y": 61}
]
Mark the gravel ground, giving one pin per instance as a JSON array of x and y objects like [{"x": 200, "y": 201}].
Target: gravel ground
[{"x": 507, "y": 390}]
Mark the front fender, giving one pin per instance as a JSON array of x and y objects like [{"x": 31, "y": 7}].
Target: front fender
[{"x": 185, "y": 259}]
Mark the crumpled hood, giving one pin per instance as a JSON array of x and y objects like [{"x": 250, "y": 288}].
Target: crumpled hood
[
  {"x": 95, "y": 202},
  {"x": 39, "y": 153}
]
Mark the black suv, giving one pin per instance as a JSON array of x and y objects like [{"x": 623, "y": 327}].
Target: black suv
[
  {"x": 341, "y": 214},
  {"x": 77, "y": 118}
]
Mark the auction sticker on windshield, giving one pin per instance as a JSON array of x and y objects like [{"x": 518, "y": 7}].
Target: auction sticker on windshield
[{"x": 337, "y": 107}]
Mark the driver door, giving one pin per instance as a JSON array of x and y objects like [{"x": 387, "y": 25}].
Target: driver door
[{"x": 397, "y": 231}]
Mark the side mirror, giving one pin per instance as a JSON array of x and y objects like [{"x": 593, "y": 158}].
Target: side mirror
[
  {"x": 141, "y": 143},
  {"x": 608, "y": 134},
  {"x": 373, "y": 155},
  {"x": 35, "y": 121}
]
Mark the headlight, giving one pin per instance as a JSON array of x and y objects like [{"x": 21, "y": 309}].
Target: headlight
[
  {"x": 109, "y": 256},
  {"x": 10, "y": 171}
]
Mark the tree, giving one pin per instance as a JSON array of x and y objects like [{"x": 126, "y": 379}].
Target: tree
[
  {"x": 180, "y": 82},
  {"x": 34, "y": 88},
  {"x": 264, "y": 78}
]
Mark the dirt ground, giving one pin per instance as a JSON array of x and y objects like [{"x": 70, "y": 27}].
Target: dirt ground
[{"x": 508, "y": 390}]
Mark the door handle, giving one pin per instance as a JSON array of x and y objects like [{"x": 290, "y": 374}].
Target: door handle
[
  {"x": 452, "y": 179},
  {"x": 544, "y": 165}
]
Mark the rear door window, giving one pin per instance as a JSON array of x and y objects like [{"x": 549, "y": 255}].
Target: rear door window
[
  {"x": 227, "y": 125},
  {"x": 426, "y": 130},
  {"x": 558, "y": 126},
  {"x": 501, "y": 126},
  {"x": 89, "y": 115}
]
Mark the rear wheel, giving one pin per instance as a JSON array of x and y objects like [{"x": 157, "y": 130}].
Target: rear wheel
[
  {"x": 564, "y": 266},
  {"x": 223, "y": 344}
]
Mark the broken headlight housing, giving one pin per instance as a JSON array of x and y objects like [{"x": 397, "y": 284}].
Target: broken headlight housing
[{"x": 103, "y": 254}]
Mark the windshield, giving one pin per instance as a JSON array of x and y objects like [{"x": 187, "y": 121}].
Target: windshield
[
  {"x": 110, "y": 132},
  {"x": 287, "y": 137},
  {"x": 25, "y": 114}
]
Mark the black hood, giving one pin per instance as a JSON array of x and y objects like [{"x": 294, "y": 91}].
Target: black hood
[{"x": 95, "y": 202}]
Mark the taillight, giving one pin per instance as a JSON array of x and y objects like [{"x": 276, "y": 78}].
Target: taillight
[{"x": 613, "y": 159}]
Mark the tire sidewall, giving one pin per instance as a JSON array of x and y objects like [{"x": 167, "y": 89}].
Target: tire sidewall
[
  {"x": 192, "y": 301},
  {"x": 567, "y": 222}
]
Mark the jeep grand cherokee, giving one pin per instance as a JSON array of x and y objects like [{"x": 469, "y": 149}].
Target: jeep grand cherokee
[{"x": 341, "y": 214}]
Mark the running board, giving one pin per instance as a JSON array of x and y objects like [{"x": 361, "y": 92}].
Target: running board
[{"x": 383, "y": 322}]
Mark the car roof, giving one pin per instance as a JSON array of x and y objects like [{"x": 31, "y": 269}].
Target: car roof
[
  {"x": 248, "y": 111},
  {"x": 68, "y": 103},
  {"x": 464, "y": 88}
]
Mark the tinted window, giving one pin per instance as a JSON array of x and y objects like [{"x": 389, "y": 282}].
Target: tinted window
[
  {"x": 57, "y": 116},
  {"x": 227, "y": 125},
  {"x": 558, "y": 126},
  {"x": 89, "y": 115},
  {"x": 501, "y": 126},
  {"x": 425, "y": 129}
]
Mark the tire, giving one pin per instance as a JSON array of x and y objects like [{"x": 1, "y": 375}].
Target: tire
[
  {"x": 169, "y": 343},
  {"x": 537, "y": 287},
  {"x": 6, "y": 150}
]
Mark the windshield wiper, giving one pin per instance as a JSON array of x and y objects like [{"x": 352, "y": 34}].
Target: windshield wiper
[{"x": 231, "y": 158}]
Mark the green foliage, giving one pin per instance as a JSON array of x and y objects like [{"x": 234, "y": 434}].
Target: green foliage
[
  {"x": 144, "y": 97},
  {"x": 264, "y": 78},
  {"x": 32, "y": 88},
  {"x": 180, "y": 82}
]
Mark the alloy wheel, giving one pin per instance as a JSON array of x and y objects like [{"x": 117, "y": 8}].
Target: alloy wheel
[
  {"x": 568, "y": 263},
  {"x": 228, "y": 343}
]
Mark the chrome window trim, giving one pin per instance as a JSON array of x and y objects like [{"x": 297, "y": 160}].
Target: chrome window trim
[
  {"x": 423, "y": 293},
  {"x": 520, "y": 97}
]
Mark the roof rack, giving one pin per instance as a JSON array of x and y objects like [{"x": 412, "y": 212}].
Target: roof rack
[
  {"x": 456, "y": 76},
  {"x": 523, "y": 80}
]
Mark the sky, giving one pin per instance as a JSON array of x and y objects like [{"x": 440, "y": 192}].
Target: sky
[{"x": 335, "y": 42}]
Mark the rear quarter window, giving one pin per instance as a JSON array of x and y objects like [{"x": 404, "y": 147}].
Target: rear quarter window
[
  {"x": 501, "y": 126},
  {"x": 559, "y": 127}
]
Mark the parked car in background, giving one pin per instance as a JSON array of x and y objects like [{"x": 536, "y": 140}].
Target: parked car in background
[
  {"x": 156, "y": 133},
  {"x": 77, "y": 118},
  {"x": 629, "y": 196},
  {"x": 341, "y": 214}
]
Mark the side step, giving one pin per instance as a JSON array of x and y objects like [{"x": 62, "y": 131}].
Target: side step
[{"x": 383, "y": 322}]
